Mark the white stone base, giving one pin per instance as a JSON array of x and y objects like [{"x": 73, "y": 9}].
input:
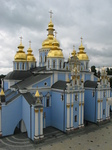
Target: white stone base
[
  {"x": 41, "y": 136},
  {"x": 82, "y": 125},
  {"x": 36, "y": 137},
  {"x": 72, "y": 128},
  {"x": 107, "y": 118},
  {"x": 67, "y": 129},
  {"x": 98, "y": 120}
]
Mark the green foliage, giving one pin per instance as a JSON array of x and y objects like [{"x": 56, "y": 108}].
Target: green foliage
[
  {"x": 111, "y": 82},
  {"x": 109, "y": 71},
  {"x": 93, "y": 69},
  {"x": 1, "y": 76}
]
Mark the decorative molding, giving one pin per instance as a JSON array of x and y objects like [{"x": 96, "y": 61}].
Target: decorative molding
[
  {"x": 36, "y": 110},
  {"x": 68, "y": 105}
]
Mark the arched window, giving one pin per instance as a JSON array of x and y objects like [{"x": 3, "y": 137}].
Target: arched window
[
  {"x": 86, "y": 65},
  {"x": 47, "y": 102},
  {"x": 60, "y": 64},
  {"x": 41, "y": 58},
  {"x": 48, "y": 63},
  {"x": 53, "y": 64},
  {"x": 17, "y": 66},
  {"x": 45, "y": 57}
]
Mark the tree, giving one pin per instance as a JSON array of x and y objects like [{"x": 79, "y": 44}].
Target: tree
[
  {"x": 93, "y": 69},
  {"x": 111, "y": 82}
]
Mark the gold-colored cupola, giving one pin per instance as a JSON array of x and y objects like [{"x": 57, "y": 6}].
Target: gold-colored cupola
[
  {"x": 50, "y": 37},
  {"x": 55, "y": 51},
  {"x": 20, "y": 55},
  {"x": 81, "y": 54},
  {"x": 30, "y": 56}
]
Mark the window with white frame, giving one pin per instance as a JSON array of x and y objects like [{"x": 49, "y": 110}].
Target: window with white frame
[
  {"x": 75, "y": 118},
  {"x": 76, "y": 97},
  {"x": 53, "y": 64}
]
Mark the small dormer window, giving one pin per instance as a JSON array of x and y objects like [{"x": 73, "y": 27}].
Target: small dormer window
[
  {"x": 93, "y": 94},
  {"x": 45, "y": 83}
]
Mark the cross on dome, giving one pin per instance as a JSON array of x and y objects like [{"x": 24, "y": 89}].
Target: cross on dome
[
  {"x": 51, "y": 13},
  {"x": 73, "y": 46},
  {"x": 81, "y": 39},
  {"x": 30, "y": 44},
  {"x": 21, "y": 39}
]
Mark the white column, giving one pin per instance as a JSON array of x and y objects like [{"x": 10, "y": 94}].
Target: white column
[
  {"x": 0, "y": 120},
  {"x": 72, "y": 116},
  {"x": 98, "y": 110},
  {"x": 79, "y": 114},
  {"x": 101, "y": 111},
  {"x": 106, "y": 108},
  {"x": 82, "y": 114},
  {"x": 36, "y": 124},
  {"x": 68, "y": 117},
  {"x": 41, "y": 123}
]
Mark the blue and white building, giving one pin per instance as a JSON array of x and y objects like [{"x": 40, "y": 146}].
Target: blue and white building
[{"x": 55, "y": 93}]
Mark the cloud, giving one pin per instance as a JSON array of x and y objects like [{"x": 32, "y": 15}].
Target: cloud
[{"x": 72, "y": 19}]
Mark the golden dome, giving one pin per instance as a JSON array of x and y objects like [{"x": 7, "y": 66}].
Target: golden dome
[
  {"x": 20, "y": 55},
  {"x": 48, "y": 42},
  {"x": 55, "y": 50},
  {"x": 30, "y": 56},
  {"x": 81, "y": 54}
]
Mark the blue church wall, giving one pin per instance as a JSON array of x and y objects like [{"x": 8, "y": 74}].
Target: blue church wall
[
  {"x": 47, "y": 112},
  {"x": 61, "y": 76},
  {"x": 32, "y": 130},
  {"x": 26, "y": 115},
  {"x": 87, "y": 77},
  {"x": 43, "y": 57},
  {"x": 95, "y": 78},
  {"x": 90, "y": 106},
  {"x": 57, "y": 110},
  {"x": 43, "y": 82},
  {"x": 10, "y": 119},
  {"x": 5, "y": 85}
]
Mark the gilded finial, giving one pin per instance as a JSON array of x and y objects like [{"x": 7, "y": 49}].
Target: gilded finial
[
  {"x": 73, "y": 47},
  {"x": 21, "y": 40},
  {"x": 50, "y": 14},
  {"x": 81, "y": 39},
  {"x": 55, "y": 33},
  {"x": 30, "y": 44}
]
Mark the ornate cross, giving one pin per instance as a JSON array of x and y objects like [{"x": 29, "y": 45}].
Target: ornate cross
[
  {"x": 51, "y": 13},
  {"x": 81, "y": 39},
  {"x": 21, "y": 39},
  {"x": 29, "y": 43},
  {"x": 73, "y": 47}
]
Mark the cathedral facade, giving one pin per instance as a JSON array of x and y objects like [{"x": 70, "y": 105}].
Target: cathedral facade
[{"x": 55, "y": 93}]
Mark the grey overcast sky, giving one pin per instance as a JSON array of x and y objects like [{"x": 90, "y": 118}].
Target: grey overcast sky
[{"x": 72, "y": 19}]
